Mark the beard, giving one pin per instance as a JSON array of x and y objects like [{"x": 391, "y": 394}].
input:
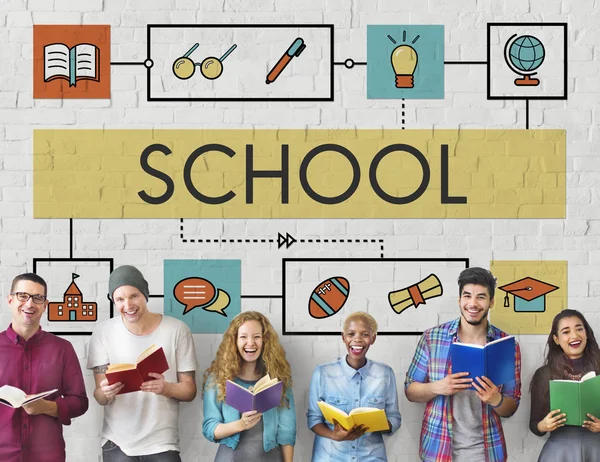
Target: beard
[{"x": 483, "y": 318}]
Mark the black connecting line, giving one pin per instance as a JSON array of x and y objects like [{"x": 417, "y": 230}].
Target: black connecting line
[
  {"x": 126, "y": 63},
  {"x": 70, "y": 238},
  {"x": 466, "y": 62}
]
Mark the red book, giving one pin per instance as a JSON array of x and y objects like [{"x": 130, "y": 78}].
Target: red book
[{"x": 133, "y": 375}]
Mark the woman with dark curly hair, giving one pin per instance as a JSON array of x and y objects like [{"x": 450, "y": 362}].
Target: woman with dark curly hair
[
  {"x": 250, "y": 349},
  {"x": 572, "y": 351}
]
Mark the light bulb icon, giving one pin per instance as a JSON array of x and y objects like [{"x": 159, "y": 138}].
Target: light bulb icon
[{"x": 404, "y": 61}]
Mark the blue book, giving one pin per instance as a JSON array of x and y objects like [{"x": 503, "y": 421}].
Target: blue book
[{"x": 495, "y": 360}]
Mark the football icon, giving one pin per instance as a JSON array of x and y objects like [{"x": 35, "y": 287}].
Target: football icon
[{"x": 328, "y": 297}]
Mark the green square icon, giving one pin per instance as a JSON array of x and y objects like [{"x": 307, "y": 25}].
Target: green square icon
[{"x": 405, "y": 62}]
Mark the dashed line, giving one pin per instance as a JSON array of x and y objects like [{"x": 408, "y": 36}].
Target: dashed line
[
  {"x": 220, "y": 240},
  {"x": 342, "y": 241},
  {"x": 403, "y": 114},
  {"x": 231, "y": 241},
  {"x": 271, "y": 241}
]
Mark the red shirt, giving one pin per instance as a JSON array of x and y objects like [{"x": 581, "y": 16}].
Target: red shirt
[{"x": 42, "y": 363}]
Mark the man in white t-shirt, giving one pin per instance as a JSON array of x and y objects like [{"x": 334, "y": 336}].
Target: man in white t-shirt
[{"x": 143, "y": 423}]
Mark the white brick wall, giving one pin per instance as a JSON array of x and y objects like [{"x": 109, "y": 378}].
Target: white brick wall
[{"x": 147, "y": 243}]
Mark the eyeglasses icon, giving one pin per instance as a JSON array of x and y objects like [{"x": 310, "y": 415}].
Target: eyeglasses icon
[{"x": 24, "y": 296}]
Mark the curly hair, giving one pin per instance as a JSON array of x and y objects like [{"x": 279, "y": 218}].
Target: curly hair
[{"x": 228, "y": 362}]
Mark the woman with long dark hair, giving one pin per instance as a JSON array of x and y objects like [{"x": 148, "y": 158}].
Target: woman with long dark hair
[{"x": 572, "y": 351}]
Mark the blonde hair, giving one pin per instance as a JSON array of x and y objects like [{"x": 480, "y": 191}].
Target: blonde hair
[
  {"x": 364, "y": 317},
  {"x": 228, "y": 362}
]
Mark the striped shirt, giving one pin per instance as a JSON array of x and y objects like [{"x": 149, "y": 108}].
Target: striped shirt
[{"x": 431, "y": 363}]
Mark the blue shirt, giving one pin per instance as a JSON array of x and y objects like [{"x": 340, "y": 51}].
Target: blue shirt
[
  {"x": 279, "y": 423},
  {"x": 373, "y": 385}
]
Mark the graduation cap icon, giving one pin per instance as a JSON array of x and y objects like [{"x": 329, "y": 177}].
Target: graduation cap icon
[{"x": 530, "y": 294}]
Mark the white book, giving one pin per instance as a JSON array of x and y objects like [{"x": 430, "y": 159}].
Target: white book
[{"x": 15, "y": 397}]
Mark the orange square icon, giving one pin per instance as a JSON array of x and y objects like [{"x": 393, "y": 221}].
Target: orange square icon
[{"x": 71, "y": 61}]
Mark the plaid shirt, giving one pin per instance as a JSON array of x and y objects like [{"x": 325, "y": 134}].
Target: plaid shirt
[{"x": 431, "y": 363}]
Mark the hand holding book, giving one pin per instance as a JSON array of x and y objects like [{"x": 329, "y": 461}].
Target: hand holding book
[
  {"x": 15, "y": 397},
  {"x": 249, "y": 419},
  {"x": 593, "y": 424},
  {"x": 368, "y": 418},
  {"x": 453, "y": 383},
  {"x": 266, "y": 394},
  {"x": 148, "y": 368},
  {"x": 341, "y": 434},
  {"x": 578, "y": 399},
  {"x": 555, "y": 419}
]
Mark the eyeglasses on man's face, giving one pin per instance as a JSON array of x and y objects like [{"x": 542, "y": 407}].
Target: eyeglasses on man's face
[{"x": 24, "y": 296}]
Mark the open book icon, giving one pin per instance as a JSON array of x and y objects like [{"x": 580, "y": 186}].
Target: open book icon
[
  {"x": 370, "y": 417},
  {"x": 576, "y": 398},
  {"x": 266, "y": 394},
  {"x": 132, "y": 376},
  {"x": 15, "y": 397},
  {"x": 80, "y": 62}
]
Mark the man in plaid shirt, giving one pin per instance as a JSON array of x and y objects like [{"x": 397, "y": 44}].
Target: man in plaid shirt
[{"x": 462, "y": 425}]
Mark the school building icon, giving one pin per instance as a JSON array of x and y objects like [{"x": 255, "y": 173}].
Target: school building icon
[{"x": 73, "y": 307}]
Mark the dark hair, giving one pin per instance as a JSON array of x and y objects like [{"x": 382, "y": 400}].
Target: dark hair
[
  {"x": 555, "y": 357},
  {"x": 479, "y": 276},
  {"x": 29, "y": 277},
  {"x": 556, "y": 362}
]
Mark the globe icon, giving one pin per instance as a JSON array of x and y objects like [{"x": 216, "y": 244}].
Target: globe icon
[{"x": 524, "y": 55}]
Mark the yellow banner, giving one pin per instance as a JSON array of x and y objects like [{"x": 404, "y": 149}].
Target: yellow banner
[{"x": 299, "y": 173}]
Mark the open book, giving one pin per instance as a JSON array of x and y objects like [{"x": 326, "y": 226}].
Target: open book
[
  {"x": 15, "y": 397},
  {"x": 370, "y": 417},
  {"x": 266, "y": 394},
  {"x": 576, "y": 398},
  {"x": 80, "y": 62},
  {"x": 495, "y": 360},
  {"x": 133, "y": 375}
]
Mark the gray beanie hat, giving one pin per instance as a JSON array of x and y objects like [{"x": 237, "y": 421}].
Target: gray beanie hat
[{"x": 127, "y": 276}]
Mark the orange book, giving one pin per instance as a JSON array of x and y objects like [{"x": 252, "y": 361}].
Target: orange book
[{"x": 133, "y": 375}]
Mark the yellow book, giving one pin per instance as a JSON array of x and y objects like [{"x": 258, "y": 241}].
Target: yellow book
[{"x": 370, "y": 417}]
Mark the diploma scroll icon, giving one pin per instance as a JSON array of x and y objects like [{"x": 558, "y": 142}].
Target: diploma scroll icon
[
  {"x": 295, "y": 49},
  {"x": 430, "y": 287}
]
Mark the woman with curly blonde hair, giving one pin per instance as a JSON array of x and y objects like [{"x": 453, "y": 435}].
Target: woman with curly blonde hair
[{"x": 249, "y": 350}]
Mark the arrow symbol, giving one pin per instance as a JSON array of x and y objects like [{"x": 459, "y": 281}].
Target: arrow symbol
[{"x": 286, "y": 240}]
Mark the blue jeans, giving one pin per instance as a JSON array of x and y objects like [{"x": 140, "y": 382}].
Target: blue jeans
[{"x": 112, "y": 453}]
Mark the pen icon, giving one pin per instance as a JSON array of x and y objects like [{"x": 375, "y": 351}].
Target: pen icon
[{"x": 295, "y": 49}]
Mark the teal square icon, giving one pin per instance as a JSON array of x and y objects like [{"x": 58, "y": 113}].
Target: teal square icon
[
  {"x": 405, "y": 62},
  {"x": 205, "y": 294}
]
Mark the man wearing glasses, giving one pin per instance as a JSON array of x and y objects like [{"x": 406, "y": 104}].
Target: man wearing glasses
[{"x": 36, "y": 361}]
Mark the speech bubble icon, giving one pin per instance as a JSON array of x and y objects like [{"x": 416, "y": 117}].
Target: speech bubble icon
[
  {"x": 220, "y": 303},
  {"x": 194, "y": 292}
]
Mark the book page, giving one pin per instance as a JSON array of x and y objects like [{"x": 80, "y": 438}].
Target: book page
[
  {"x": 147, "y": 352},
  {"x": 85, "y": 61},
  {"x": 12, "y": 395},
  {"x": 263, "y": 386},
  {"x": 589, "y": 375},
  {"x": 359, "y": 410},
  {"x": 469, "y": 345},
  {"x": 32, "y": 398},
  {"x": 508, "y": 337},
  {"x": 56, "y": 61},
  {"x": 119, "y": 367}
]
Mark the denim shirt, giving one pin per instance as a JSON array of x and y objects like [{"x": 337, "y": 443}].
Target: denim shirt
[
  {"x": 374, "y": 385},
  {"x": 279, "y": 423}
]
